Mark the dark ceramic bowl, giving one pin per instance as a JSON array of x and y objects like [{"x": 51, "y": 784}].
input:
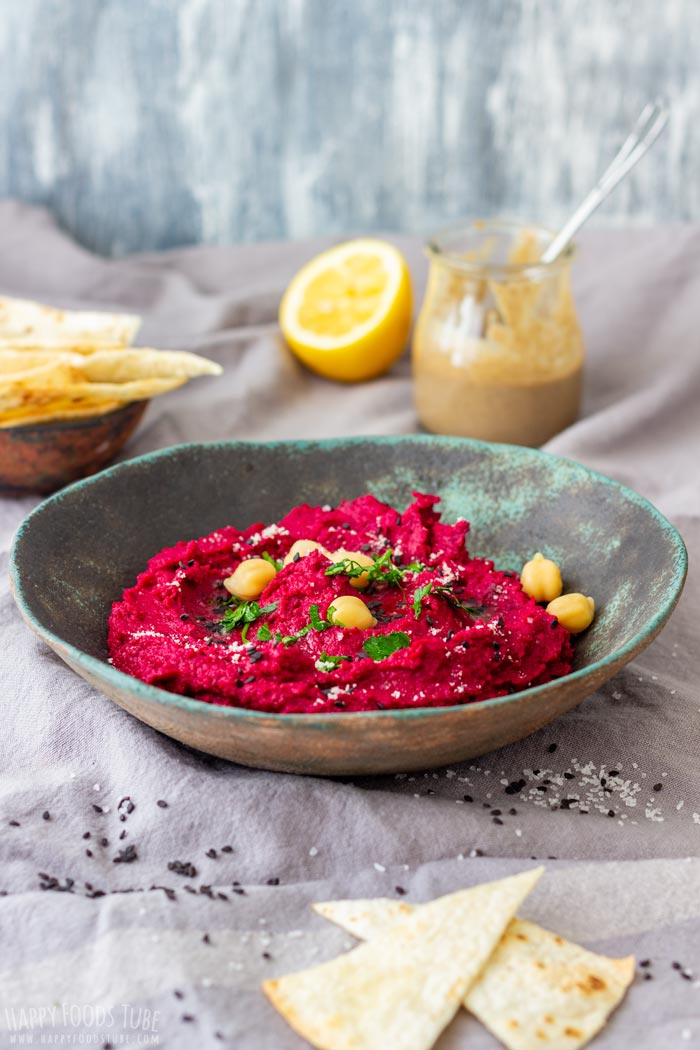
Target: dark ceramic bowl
[
  {"x": 611, "y": 543},
  {"x": 43, "y": 457}
]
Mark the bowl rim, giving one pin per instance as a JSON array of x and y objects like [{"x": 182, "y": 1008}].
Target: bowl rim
[
  {"x": 80, "y": 423},
  {"x": 153, "y": 694}
]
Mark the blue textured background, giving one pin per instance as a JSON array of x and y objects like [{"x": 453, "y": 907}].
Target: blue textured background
[{"x": 149, "y": 123}]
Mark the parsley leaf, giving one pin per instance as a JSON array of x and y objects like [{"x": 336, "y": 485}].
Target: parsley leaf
[
  {"x": 268, "y": 557},
  {"x": 264, "y": 633},
  {"x": 382, "y": 569},
  {"x": 327, "y": 662},
  {"x": 380, "y": 646},
  {"x": 346, "y": 567},
  {"x": 244, "y": 613},
  {"x": 317, "y": 622},
  {"x": 420, "y": 594}
]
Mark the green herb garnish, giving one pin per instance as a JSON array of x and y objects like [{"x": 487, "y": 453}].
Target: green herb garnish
[
  {"x": 244, "y": 613},
  {"x": 421, "y": 593},
  {"x": 327, "y": 662},
  {"x": 268, "y": 557},
  {"x": 317, "y": 622},
  {"x": 381, "y": 570},
  {"x": 379, "y": 646},
  {"x": 347, "y": 567},
  {"x": 264, "y": 633}
]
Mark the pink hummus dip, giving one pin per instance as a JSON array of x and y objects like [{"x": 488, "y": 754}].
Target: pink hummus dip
[{"x": 450, "y": 628}]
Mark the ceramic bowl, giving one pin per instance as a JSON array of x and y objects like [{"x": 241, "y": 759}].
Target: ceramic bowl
[
  {"x": 43, "y": 457},
  {"x": 75, "y": 554}
]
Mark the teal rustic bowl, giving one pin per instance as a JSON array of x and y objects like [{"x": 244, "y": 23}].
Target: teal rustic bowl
[{"x": 75, "y": 554}]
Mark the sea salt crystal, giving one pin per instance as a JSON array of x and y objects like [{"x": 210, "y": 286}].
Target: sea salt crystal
[
  {"x": 313, "y": 852},
  {"x": 379, "y": 867}
]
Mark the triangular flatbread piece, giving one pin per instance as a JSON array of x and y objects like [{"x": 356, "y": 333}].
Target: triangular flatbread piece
[
  {"x": 537, "y": 989},
  {"x": 403, "y": 987}
]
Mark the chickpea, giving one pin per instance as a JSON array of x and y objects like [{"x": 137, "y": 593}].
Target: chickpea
[
  {"x": 302, "y": 548},
  {"x": 350, "y": 612},
  {"x": 250, "y": 579},
  {"x": 541, "y": 579},
  {"x": 575, "y": 612},
  {"x": 360, "y": 582}
]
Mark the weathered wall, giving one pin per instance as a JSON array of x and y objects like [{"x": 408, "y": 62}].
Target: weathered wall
[{"x": 149, "y": 123}]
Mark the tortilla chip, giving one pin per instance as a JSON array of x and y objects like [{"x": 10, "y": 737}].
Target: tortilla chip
[
  {"x": 26, "y": 323},
  {"x": 37, "y": 377},
  {"x": 108, "y": 364},
  {"x": 401, "y": 988},
  {"x": 56, "y": 412},
  {"x": 536, "y": 991}
]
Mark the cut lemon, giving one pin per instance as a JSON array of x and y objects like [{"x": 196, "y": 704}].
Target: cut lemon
[{"x": 347, "y": 313}]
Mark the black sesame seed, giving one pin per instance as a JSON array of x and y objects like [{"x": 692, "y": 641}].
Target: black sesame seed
[
  {"x": 611, "y": 812},
  {"x": 162, "y": 803},
  {"x": 467, "y": 798},
  {"x": 614, "y": 773},
  {"x": 239, "y": 890},
  {"x": 257, "y": 655},
  {"x": 465, "y": 644},
  {"x": 552, "y": 748},
  {"x": 554, "y": 623},
  {"x": 657, "y": 787},
  {"x": 296, "y": 557},
  {"x": 497, "y": 820},
  {"x": 123, "y": 834},
  {"x": 273, "y": 882},
  {"x": 183, "y": 867},
  {"x": 222, "y": 896},
  {"x": 569, "y": 776},
  {"x": 178, "y": 994},
  {"x": 400, "y": 890},
  {"x": 126, "y": 856},
  {"x": 86, "y": 835},
  {"x": 190, "y": 563},
  {"x": 648, "y": 977},
  {"x": 686, "y": 975},
  {"x": 495, "y": 812},
  {"x": 206, "y": 939},
  {"x": 249, "y": 679},
  {"x": 227, "y": 849},
  {"x": 104, "y": 842},
  {"x": 212, "y": 854},
  {"x": 46, "y": 815},
  {"x": 345, "y": 525},
  {"x": 676, "y": 966},
  {"x": 644, "y": 963},
  {"x": 88, "y": 852},
  {"x": 98, "y": 809},
  {"x": 513, "y": 812},
  {"x": 266, "y": 955},
  {"x": 184, "y": 616},
  {"x": 187, "y": 1018}
]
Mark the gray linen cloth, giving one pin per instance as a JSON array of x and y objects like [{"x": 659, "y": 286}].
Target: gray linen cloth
[{"x": 133, "y": 967}]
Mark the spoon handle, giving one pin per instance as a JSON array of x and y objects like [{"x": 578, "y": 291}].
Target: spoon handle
[{"x": 652, "y": 120}]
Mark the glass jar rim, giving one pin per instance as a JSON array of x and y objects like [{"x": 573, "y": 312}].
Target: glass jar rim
[{"x": 437, "y": 253}]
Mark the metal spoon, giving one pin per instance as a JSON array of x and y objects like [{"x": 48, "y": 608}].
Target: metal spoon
[{"x": 652, "y": 120}]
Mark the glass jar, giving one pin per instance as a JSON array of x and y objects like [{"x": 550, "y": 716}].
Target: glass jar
[{"x": 497, "y": 350}]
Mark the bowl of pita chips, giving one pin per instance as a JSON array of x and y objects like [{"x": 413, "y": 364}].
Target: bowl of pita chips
[{"x": 73, "y": 389}]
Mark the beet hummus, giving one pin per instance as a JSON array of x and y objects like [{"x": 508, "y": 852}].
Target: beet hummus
[{"x": 449, "y": 628}]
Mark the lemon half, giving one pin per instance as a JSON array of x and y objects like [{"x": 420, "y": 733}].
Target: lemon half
[{"x": 347, "y": 313}]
